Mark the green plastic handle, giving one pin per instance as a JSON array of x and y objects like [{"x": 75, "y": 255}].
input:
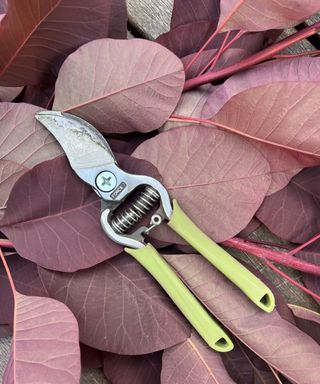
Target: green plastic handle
[
  {"x": 191, "y": 308},
  {"x": 249, "y": 284}
]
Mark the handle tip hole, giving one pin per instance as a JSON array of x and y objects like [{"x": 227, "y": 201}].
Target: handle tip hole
[
  {"x": 267, "y": 301},
  {"x": 223, "y": 345}
]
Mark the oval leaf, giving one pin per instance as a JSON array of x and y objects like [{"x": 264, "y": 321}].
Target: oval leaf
[
  {"x": 49, "y": 31},
  {"x": 59, "y": 217},
  {"x": 284, "y": 114},
  {"x": 293, "y": 213},
  {"x": 219, "y": 178},
  {"x": 277, "y": 341},
  {"x": 193, "y": 362},
  {"x": 26, "y": 279},
  {"x": 119, "y": 307},
  {"x": 24, "y": 142},
  {"x": 9, "y": 93},
  {"x": 122, "y": 369},
  {"x": 258, "y": 15},
  {"x": 284, "y": 163},
  {"x": 142, "y": 87},
  {"x": 45, "y": 345},
  {"x": 187, "y": 11}
]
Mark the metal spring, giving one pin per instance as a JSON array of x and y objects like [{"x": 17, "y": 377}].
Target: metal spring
[{"x": 143, "y": 203}]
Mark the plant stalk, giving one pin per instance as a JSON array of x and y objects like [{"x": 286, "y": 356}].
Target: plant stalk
[
  {"x": 257, "y": 58},
  {"x": 282, "y": 258}
]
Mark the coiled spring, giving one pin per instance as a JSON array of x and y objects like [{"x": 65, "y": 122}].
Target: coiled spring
[{"x": 143, "y": 203}]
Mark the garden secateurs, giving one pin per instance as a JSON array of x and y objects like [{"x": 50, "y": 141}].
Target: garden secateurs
[{"x": 93, "y": 161}]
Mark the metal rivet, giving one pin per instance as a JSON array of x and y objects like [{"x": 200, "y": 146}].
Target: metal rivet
[{"x": 106, "y": 181}]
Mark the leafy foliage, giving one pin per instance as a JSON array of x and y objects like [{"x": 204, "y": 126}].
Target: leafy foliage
[{"x": 243, "y": 146}]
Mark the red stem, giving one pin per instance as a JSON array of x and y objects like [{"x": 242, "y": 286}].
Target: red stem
[
  {"x": 213, "y": 61},
  {"x": 300, "y": 247},
  {"x": 6, "y": 244},
  {"x": 293, "y": 282},
  {"x": 196, "y": 56},
  {"x": 301, "y": 54},
  {"x": 257, "y": 58},
  {"x": 189, "y": 119},
  {"x": 217, "y": 56},
  {"x": 271, "y": 254}
]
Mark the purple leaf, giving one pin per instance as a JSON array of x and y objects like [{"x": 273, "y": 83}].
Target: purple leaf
[
  {"x": 9, "y": 93},
  {"x": 49, "y": 31},
  {"x": 238, "y": 365},
  {"x": 90, "y": 357},
  {"x": 305, "y": 313},
  {"x": 45, "y": 345},
  {"x": 257, "y": 15},
  {"x": 275, "y": 340},
  {"x": 219, "y": 178},
  {"x": 37, "y": 96},
  {"x": 307, "y": 320},
  {"x": 193, "y": 362},
  {"x": 5, "y": 331},
  {"x": 53, "y": 218},
  {"x": 187, "y": 38},
  {"x": 293, "y": 213},
  {"x": 24, "y": 143},
  {"x": 141, "y": 90},
  {"x": 119, "y": 307},
  {"x": 143, "y": 369},
  {"x": 3, "y": 6},
  {"x": 284, "y": 163},
  {"x": 187, "y": 11},
  {"x": 26, "y": 280}
]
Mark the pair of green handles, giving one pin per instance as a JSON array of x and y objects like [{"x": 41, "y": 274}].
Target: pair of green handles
[{"x": 191, "y": 308}]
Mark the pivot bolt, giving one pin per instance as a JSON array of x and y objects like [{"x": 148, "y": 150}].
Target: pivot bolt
[{"x": 106, "y": 181}]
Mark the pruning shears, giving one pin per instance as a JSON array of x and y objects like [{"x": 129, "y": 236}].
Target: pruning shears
[{"x": 93, "y": 161}]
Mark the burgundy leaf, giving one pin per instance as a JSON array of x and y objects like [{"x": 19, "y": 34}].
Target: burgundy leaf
[
  {"x": 24, "y": 143},
  {"x": 277, "y": 341},
  {"x": 37, "y": 96},
  {"x": 143, "y": 84},
  {"x": 219, "y": 178},
  {"x": 305, "y": 313},
  {"x": 143, "y": 369},
  {"x": 45, "y": 345},
  {"x": 119, "y": 307},
  {"x": 257, "y": 15},
  {"x": 3, "y": 6},
  {"x": 193, "y": 362},
  {"x": 9, "y": 93},
  {"x": 90, "y": 357},
  {"x": 293, "y": 213},
  {"x": 26, "y": 280},
  {"x": 49, "y": 31},
  {"x": 238, "y": 365},
  {"x": 187, "y": 38},
  {"x": 267, "y": 114},
  {"x": 284, "y": 163},
  {"x": 5, "y": 331},
  {"x": 187, "y": 11},
  {"x": 53, "y": 218},
  {"x": 307, "y": 320}
]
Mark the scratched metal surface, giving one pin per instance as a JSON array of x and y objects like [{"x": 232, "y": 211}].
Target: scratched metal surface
[{"x": 152, "y": 18}]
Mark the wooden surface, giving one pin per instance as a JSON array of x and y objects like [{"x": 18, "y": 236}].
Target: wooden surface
[{"x": 150, "y": 18}]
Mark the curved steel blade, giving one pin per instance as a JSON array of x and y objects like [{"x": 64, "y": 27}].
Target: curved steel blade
[{"x": 83, "y": 144}]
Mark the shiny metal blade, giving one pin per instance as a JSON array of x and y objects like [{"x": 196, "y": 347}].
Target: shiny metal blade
[{"x": 84, "y": 146}]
